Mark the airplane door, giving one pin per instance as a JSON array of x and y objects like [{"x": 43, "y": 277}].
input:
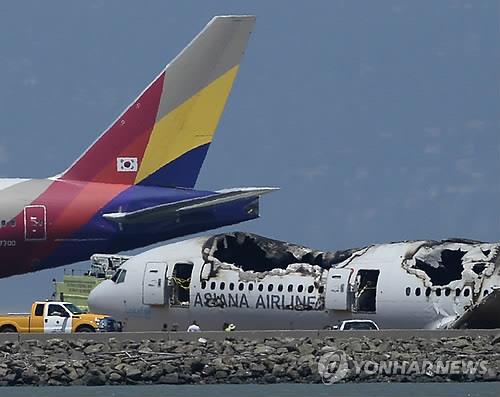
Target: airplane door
[
  {"x": 35, "y": 223},
  {"x": 153, "y": 287},
  {"x": 338, "y": 294}
]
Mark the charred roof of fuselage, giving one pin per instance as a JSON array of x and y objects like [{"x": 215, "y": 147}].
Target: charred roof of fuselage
[
  {"x": 253, "y": 252},
  {"x": 442, "y": 261}
]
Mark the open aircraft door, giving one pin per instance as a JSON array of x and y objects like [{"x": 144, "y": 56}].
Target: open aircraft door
[
  {"x": 154, "y": 284},
  {"x": 338, "y": 294}
]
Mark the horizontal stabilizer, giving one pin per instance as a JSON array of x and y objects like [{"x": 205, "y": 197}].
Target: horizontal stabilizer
[
  {"x": 482, "y": 315},
  {"x": 152, "y": 214}
]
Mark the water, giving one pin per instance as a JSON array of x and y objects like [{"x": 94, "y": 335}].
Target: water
[{"x": 491, "y": 389}]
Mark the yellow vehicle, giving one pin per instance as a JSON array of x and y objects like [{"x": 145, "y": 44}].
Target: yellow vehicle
[{"x": 55, "y": 317}]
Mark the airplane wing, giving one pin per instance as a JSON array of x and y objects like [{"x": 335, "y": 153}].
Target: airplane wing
[
  {"x": 481, "y": 315},
  {"x": 219, "y": 197}
]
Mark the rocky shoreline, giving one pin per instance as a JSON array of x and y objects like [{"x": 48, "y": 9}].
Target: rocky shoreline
[{"x": 274, "y": 360}]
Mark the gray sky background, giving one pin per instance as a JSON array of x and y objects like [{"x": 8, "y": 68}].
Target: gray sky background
[{"x": 378, "y": 119}]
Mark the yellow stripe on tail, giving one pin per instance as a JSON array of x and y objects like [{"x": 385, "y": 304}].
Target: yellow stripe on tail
[{"x": 190, "y": 125}]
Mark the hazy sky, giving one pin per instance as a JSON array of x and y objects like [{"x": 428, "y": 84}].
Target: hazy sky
[{"x": 378, "y": 119}]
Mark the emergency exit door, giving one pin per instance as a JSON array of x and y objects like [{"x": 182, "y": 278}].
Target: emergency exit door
[
  {"x": 153, "y": 290},
  {"x": 338, "y": 294},
  {"x": 35, "y": 223}
]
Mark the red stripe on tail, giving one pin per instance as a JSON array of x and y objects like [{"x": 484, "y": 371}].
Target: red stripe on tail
[{"x": 127, "y": 137}]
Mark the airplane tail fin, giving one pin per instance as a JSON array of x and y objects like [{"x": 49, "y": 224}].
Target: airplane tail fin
[{"x": 162, "y": 138}]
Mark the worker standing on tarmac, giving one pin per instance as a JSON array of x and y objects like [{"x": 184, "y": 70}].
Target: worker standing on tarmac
[
  {"x": 194, "y": 327},
  {"x": 229, "y": 327}
]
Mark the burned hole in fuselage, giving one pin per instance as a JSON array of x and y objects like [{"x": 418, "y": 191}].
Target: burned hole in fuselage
[
  {"x": 478, "y": 268},
  {"x": 448, "y": 269},
  {"x": 246, "y": 251},
  {"x": 252, "y": 252}
]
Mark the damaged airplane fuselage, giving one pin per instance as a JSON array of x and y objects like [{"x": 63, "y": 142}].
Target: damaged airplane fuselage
[{"x": 260, "y": 283}]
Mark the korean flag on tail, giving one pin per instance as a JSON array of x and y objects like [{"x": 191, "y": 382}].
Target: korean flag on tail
[{"x": 127, "y": 164}]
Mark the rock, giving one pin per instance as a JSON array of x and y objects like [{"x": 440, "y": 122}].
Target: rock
[
  {"x": 77, "y": 355},
  {"x": 306, "y": 348},
  {"x": 40, "y": 366},
  {"x": 91, "y": 349},
  {"x": 115, "y": 377},
  {"x": 29, "y": 376},
  {"x": 172, "y": 379},
  {"x": 496, "y": 339},
  {"x": 153, "y": 374},
  {"x": 228, "y": 351},
  {"x": 263, "y": 349},
  {"x": 243, "y": 374},
  {"x": 383, "y": 347},
  {"x": 257, "y": 368},
  {"x": 278, "y": 371},
  {"x": 458, "y": 343},
  {"x": 197, "y": 365},
  {"x": 356, "y": 346},
  {"x": 94, "y": 378},
  {"x": 58, "y": 373},
  {"x": 76, "y": 344},
  {"x": 10, "y": 378},
  {"x": 292, "y": 374},
  {"x": 221, "y": 374},
  {"x": 132, "y": 372},
  {"x": 72, "y": 374},
  {"x": 208, "y": 370},
  {"x": 168, "y": 367},
  {"x": 268, "y": 378}
]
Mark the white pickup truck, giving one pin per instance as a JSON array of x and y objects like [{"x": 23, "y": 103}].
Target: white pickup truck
[{"x": 361, "y": 325}]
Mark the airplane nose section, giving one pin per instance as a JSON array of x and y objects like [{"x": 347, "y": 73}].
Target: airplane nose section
[{"x": 101, "y": 299}]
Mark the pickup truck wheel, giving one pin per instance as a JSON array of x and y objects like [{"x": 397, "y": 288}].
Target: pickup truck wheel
[
  {"x": 8, "y": 328},
  {"x": 85, "y": 328}
]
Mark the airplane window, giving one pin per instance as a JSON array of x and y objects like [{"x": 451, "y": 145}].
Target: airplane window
[
  {"x": 300, "y": 288},
  {"x": 121, "y": 276},
  {"x": 457, "y": 292},
  {"x": 212, "y": 285},
  {"x": 261, "y": 287},
  {"x": 466, "y": 292},
  {"x": 321, "y": 289},
  {"x": 290, "y": 287},
  {"x": 417, "y": 291},
  {"x": 250, "y": 287},
  {"x": 222, "y": 285},
  {"x": 270, "y": 287},
  {"x": 408, "y": 291},
  {"x": 438, "y": 291},
  {"x": 203, "y": 284},
  {"x": 231, "y": 286},
  {"x": 116, "y": 275},
  {"x": 447, "y": 291},
  {"x": 280, "y": 288},
  {"x": 428, "y": 291},
  {"x": 3, "y": 223},
  {"x": 310, "y": 289},
  {"x": 12, "y": 223},
  {"x": 241, "y": 286}
]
